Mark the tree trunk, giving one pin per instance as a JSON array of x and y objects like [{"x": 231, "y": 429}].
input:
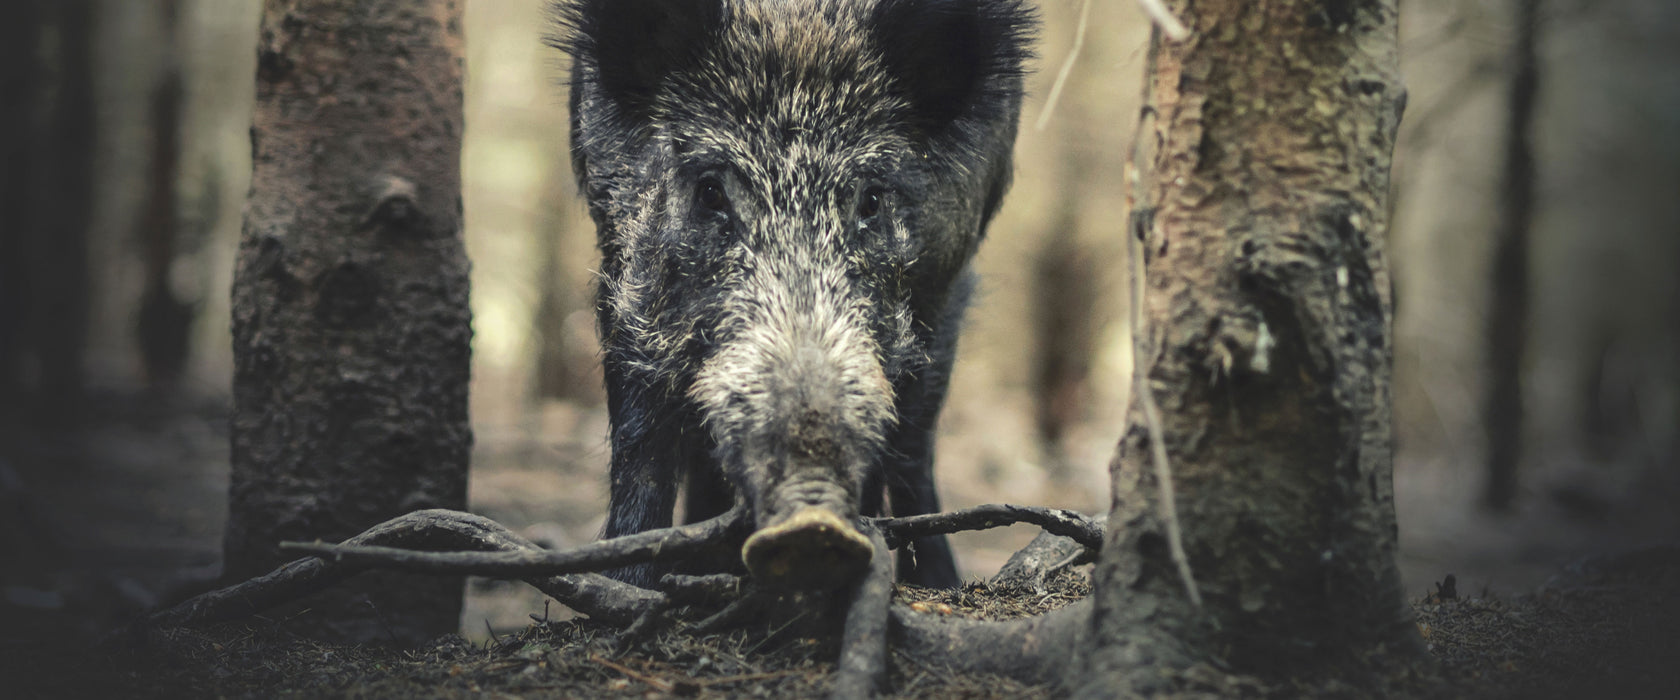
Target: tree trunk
[
  {"x": 1265, "y": 345},
  {"x": 350, "y": 321},
  {"x": 20, "y": 73},
  {"x": 164, "y": 322},
  {"x": 48, "y": 96},
  {"x": 566, "y": 367},
  {"x": 1507, "y": 314},
  {"x": 1065, "y": 291}
]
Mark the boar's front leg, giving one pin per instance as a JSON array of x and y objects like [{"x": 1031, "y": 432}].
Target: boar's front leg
[
  {"x": 908, "y": 465},
  {"x": 647, "y": 458}
]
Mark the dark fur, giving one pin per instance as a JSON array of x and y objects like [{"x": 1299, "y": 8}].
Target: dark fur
[{"x": 804, "y": 332}]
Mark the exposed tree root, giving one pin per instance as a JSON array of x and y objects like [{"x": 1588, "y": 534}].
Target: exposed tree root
[
  {"x": 863, "y": 652},
  {"x": 1034, "y": 650},
  {"x": 479, "y": 546}
]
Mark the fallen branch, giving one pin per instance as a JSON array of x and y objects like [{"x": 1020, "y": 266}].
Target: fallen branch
[
  {"x": 487, "y": 548},
  {"x": 656, "y": 546},
  {"x": 591, "y": 594},
  {"x": 1066, "y": 523}
]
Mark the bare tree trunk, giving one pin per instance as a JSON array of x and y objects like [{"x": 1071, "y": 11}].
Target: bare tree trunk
[
  {"x": 1266, "y": 356},
  {"x": 64, "y": 287},
  {"x": 1507, "y": 315},
  {"x": 1065, "y": 289},
  {"x": 554, "y": 372},
  {"x": 565, "y": 367},
  {"x": 164, "y": 321},
  {"x": 48, "y": 195},
  {"x": 20, "y": 73},
  {"x": 350, "y": 320}
]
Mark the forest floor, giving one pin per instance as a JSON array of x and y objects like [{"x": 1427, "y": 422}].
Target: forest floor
[
  {"x": 1604, "y": 629},
  {"x": 102, "y": 523}
]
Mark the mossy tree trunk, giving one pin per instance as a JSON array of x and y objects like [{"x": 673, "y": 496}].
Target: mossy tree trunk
[
  {"x": 1262, "y": 187},
  {"x": 350, "y": 320}
]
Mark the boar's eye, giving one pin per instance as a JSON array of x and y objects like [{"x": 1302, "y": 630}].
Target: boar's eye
[
  {"x": 869, "y": 203},
  {"x": 710, "y": 195}
]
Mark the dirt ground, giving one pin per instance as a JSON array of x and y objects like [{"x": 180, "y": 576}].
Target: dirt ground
[
  {"x": 125, "y": 514},
  {"x": 1605, "y": 628}
]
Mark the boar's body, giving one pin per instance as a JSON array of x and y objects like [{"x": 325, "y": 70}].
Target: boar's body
[{"x": 787, "y": 195}]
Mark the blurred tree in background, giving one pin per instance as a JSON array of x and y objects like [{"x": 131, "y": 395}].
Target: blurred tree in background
[{"x": 47, "y": 193}]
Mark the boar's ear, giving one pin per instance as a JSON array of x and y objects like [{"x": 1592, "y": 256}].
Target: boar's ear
[
  {"x": 953, "y": 57},
  {"x": 627, "y": 48}
]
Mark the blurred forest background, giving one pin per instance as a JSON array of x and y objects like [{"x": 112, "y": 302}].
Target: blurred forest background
[{"x": 126, "y": 161}]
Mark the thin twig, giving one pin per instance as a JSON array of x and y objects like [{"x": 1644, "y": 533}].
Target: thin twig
[
  {"x": 1163, "y": 18},
  {"x": 1067, "y": 68},
  {"x": 1057, "y": 521}
]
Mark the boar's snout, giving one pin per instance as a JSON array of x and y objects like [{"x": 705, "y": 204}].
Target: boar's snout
[{"x": 798, "y": 404}]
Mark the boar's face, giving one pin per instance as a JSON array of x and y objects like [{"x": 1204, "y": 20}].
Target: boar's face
[{"x": 786, "y": 192}]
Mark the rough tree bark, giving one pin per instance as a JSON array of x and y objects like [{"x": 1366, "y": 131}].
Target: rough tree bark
[
  {"x": 1262, "y": 182},
  {"x": 1507, "y": 315},
  {"x": 350, "y": 320}
]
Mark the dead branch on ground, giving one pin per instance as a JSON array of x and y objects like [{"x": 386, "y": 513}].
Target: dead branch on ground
[
  {"x": 452, "y": 542},
  {"x": 1056, "y": 521},
  {"x": 591, "y": 594}
]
